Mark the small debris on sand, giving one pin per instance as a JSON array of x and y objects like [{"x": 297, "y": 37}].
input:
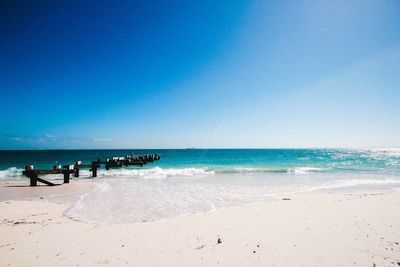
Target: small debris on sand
[
  {"x": 219, "y": 241},
  {"x": 286, "y": 198},
  {"x": 202, "y": 246},
  {"x": 23, "y": 222}
]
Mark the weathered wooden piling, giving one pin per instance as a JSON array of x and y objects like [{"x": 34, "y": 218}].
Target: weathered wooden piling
[
  {"x": 34, "y": 179},
  {"x": 94, "y": 168},
  {"x": 67, "y": 173},
  {"x": 77, "y": 164},
  {"x": 32, "y": 176}
]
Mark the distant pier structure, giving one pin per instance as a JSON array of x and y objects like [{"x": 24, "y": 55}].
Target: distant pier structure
[{"x": 68, "y": 170}]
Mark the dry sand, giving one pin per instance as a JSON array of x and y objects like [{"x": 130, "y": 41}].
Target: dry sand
[{"x": 317, "y": 229}]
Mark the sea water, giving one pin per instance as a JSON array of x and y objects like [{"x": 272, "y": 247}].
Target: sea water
[{"x": 189, "y": 181}]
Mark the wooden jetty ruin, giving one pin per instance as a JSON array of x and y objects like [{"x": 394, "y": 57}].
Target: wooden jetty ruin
[{"x": 67, "y": 170}]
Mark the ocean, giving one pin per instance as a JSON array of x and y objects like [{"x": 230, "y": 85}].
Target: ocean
[{"x": 189, "y": 181}]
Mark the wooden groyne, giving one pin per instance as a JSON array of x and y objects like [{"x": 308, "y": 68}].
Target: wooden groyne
[{"x": 67, "y": 170}]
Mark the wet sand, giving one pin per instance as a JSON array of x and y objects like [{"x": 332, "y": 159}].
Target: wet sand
[{"x": 62, "y": 193}]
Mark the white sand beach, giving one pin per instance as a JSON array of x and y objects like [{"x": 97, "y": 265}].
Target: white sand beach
[{"x": 315, "y": 229}]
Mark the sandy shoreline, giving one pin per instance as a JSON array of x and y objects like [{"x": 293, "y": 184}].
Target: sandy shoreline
[{"x": 318, "y": 229}]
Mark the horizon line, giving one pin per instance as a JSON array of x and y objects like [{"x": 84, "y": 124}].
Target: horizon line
[{"x": 200, "y": 148}]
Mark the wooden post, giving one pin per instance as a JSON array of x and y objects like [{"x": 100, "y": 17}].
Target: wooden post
[
  {"x": 77, "y": 164},
  {"x": 67, "y": 173},
  {"x": 94, "y": 169},
  {"x": 33, "y": 179},
  {"x": 28, "y": 168},
  {"x": 31, "y": 175},
  {"x": 66, "y": 177},
  {"x": 56, "y": 167}
]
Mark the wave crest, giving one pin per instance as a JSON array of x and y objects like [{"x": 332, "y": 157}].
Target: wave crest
[{"x": 158, "y": 172}]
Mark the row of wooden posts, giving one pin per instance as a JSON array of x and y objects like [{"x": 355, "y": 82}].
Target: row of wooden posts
[{"x": 67, "y": 170}]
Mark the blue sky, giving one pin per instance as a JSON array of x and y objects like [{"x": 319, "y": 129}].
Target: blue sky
[{"x": 172, "y": 74}]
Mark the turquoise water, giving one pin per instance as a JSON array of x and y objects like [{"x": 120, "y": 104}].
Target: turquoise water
[
  {"x": 189, "y": 181},
  {"x": 224, "y": 160}
]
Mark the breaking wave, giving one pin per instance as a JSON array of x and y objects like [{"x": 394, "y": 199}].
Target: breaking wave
[
  {"x": 158, "y": 172},
  {"x": 10, "y": 173}
]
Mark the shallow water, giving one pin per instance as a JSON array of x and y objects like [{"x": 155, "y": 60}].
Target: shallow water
[{"x": 130, "y": 199}]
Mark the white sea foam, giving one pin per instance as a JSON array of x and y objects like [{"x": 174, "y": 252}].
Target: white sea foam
[
  {"x": 305, "y": 170},
  {"x": 10, "y": 173},
  {"x": 152, "y": 173},
  {"x": 157, "y": 172},
  {"x": 294, "y": 170},
  {"x": 391, "y": 152}
]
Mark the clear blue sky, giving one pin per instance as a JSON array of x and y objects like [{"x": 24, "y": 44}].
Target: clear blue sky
[{"x": 171, "y": 74}]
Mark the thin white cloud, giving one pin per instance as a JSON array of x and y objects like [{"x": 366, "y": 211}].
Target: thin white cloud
[{"x": 102, "y": 139}]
